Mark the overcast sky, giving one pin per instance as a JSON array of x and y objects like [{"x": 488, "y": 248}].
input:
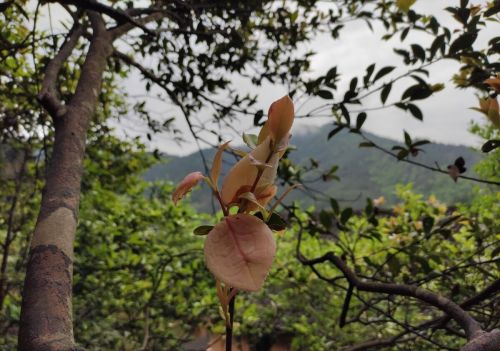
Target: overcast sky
[{"x": 446, "y": 114}]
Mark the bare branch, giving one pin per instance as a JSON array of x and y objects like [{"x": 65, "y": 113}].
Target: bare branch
[
  {"x": 436, "y": 323},
  {"x": 469, "y": 324},
  {"x": 345, "y": 307},
  {"x": 434, "y": 169},
  {"x": 124, "y": 28},
  {"x": 49, "y": 96}
]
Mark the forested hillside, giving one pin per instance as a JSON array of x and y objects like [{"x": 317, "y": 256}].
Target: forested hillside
[{"x": 362, "y": 172}]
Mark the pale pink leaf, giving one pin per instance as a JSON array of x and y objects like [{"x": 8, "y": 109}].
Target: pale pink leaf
[
  {"x": 239, "y": 251},
  {"x": 185, "y": 186}
]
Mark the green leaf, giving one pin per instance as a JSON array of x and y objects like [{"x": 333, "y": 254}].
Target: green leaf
[
  {"x": 400, "y": 105},
  {"x": 276, "y": 223},
  {"x": 428, "y": 223},
  {"x": 369, "y": 207},
  {"x": 334, "y": 131},
  {"x": 385, "y": 92},
  {"x": 360, "y": 120},
  {"x": 203, "y": 229},
  {"x": 402, "y": 154},
  {"x": 383, "y": 71},
  {"x": 258, "y": 116},
  {"x": 369, "y": 72},
  {"x": 424, "y": 263},
  {"x": 404, "y": 5},
  {"x": 420, "y": 143},
  {"x": 394, "y": 265},
  {"x": 463, "y": 42},
  {"x": 494, "y": 9},
  {"x": 251, "y": 140},
  {"x": 407, "y": 139},
  {"x": 335, "y": 206},
  {"x": 490, "y": 145},
  {"x": 325, "y": 94},
  {"x": 417, "y": 92},
  {"x": 415, "y": 111},
  {"x": 345, "y": 113},
  {"x": 418, "y": 52},
  {"x": 325, "y": 219},
  {"x": 404, "y": 33},
  {"x": 437, "y": 44},
  {"x": 369, "y": 262},
  {"x": 331, "y": 74},
  {"x": 345, "y": 215},
  {"x": 353, "y": 84}
]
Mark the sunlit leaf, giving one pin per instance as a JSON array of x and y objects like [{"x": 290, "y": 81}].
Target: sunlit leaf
[{"x": 404, "y": 5}]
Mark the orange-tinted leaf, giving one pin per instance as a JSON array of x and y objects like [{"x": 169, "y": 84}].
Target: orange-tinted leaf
[
  {"x": 264, "y": 133},
  {"x": 280, "y": 118},
  {"x": 185, "y": 186},
  {"x": 244, "y": 173},
  {"x": 216, "y": 165},
  {"x": 239, "y": 251}
]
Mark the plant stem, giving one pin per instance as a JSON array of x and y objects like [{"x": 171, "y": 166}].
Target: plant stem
[{"x": 229, "y": 329}]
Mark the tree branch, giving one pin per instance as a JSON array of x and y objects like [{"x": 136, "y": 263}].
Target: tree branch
[
  {"x": 469, "y": 324},
  {"x": 124, "y": 28},
  {"x": 49, "y": 96},
  {"x": 151, "y": 76},
  {"x": 118, "y": 15},
  {"x": 436, "y": 323},
  {"x": 345, "y": 307},
  {"x": 434, "y": 169},
  {"x": 100, "y": 46}
]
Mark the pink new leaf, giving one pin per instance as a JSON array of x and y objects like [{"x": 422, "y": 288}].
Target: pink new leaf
[
  {"x": 185, "y": 186},
  {"x": 239, "y": 251}
]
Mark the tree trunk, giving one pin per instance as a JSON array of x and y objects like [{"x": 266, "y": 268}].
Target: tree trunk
[
  {"x": 486, "y": 341},
  {"x": 46, "y": 314}
]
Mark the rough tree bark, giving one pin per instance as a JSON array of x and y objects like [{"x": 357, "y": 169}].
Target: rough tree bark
[{"x": 46, "y": 314}]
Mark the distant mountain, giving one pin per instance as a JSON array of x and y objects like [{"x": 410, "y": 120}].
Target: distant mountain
[{"x": 363, "y": 172}]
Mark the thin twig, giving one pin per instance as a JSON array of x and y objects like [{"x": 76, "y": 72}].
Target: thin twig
[
  {"x": 229, "y": 328},
  {"x": 430, "y": 168}
]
